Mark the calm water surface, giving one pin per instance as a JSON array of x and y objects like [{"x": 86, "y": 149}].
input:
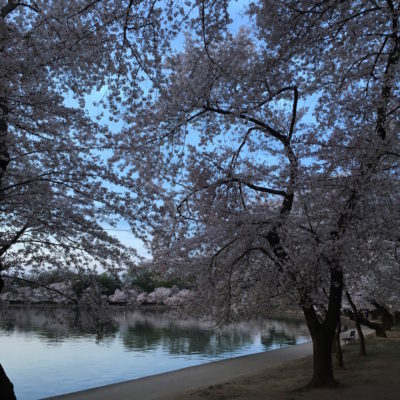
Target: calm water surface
[{"x": 47, "y": 352}]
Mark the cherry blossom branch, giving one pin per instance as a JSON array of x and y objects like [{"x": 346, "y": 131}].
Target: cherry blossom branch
[
  {"x": 9, "y": 8},
  {"x": 218, "y": 252},
  {"x": 205, "y": 42},
  {"x": 252, "y": 249},
  {"x": 83, "y": 9},
  {"x": 242, "y": 144},
  {"x": 32, "y": 8},
  {"x": 242, "y": 197},
  {"x": 228, "y": 181},
  {"x": 14, "y": 240},
  {"x": 392, "y": 61},
  {"x": 273, "y": 132},
  {"x": 294, "y": 106},
  {"x": 294, "y": 112},
  {"x": 378, "y": 55}
]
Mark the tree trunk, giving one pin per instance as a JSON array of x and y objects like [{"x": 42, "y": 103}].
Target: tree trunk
[
  {"x": 338, "y": 346},
  {"x": 6, "y": 387},
  {"x": 363, "y": 351},
  {"x": 323, "y": 332},
  {"x": 322, "y": 352},
  {"x": 386, "y": 316},
  {"x": 379, "y": 328},
  {"x": 4, "y": 155},
  {"x": 322, "y": 360}
]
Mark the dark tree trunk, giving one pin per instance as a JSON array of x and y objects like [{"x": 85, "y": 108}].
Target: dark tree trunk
[
  {"x": 357, "y": 317},
  {"x": 386, "y": 316},
  {"x": 338, "y": 346},
  {"x": 361, "y": 338},
  {"x": 323, "y": 332},
  {"x": 6, "y": 387},
  {"x": 379, "y": 328},
  {"x": 4, "y": 155},
  {"x": 322, "y": 351}
]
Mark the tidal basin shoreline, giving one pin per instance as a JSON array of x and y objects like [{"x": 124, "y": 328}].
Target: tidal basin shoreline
[
  {"x": 169, "y": 385},
  {"x": 165, "y": 385}
]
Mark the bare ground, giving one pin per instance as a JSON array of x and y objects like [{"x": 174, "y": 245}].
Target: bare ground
[{"x": 376, "y": 376}]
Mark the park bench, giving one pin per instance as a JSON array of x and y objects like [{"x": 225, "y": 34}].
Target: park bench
[{"x": 351, "y": 339}]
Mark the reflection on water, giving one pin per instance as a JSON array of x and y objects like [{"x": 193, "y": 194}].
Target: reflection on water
[
  {"x": 53, "y": 351},
  {"x": 177, "y": 340}
]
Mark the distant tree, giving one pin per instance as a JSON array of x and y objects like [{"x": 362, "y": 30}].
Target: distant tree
[{"x": 108, "y": 283}]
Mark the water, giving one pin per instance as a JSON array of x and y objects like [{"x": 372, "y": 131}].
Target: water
[{"x": 64, "y": 355}]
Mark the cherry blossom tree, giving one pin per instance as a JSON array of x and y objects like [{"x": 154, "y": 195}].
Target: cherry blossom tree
[
  {"x": 354, "y": 49},
  {"x": 239, "y": 186},
  {"x": 214, "y": 156},
  {"x": 58, "y": 186}
]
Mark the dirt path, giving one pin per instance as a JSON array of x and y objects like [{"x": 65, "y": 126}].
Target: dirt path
[{"x": 376, "y": 376}]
